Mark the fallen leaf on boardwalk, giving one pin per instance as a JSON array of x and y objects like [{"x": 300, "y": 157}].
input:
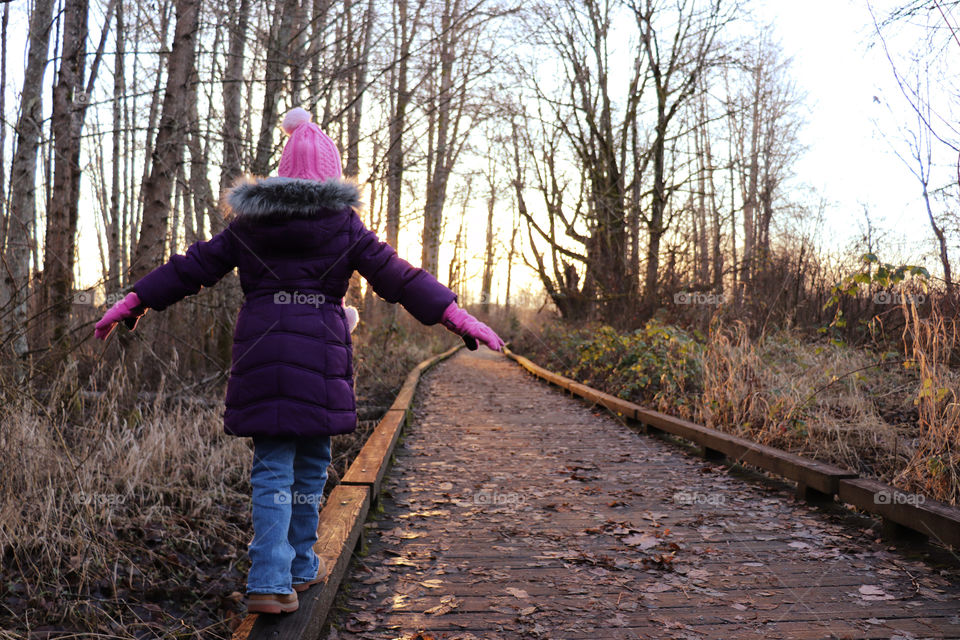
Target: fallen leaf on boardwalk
[
  {"x": 517, "y": 593},
  {"x": 378, "y": 575},
  {"x": 399, "y": 562},
  {"x": 447, "y": 604},
  {"x": 873, "y": 592},
  {"x": 400, "y": 534},
  {"x": 362, "y": 621},
  {"x": 432, "y": 584},
  {"x": 424, "y": 514},
  {"x": 642, "y": 541}
]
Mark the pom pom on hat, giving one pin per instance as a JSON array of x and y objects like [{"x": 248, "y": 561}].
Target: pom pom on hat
[
  {"x": 294, "y": 118},
  {"x": 309, "y": 153}
]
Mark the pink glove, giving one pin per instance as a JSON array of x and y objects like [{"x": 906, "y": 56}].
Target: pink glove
[
  {"x": 129, "y": 310},
  {"x": 470, "y": 329}
]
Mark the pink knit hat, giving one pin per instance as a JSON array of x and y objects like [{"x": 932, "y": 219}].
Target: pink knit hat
[{"x": 309, "y": 153}]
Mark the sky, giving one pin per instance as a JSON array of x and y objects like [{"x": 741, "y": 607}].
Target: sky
[{"x": 849, "y": 86}]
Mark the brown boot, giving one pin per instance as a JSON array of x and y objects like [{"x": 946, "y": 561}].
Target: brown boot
[
  {"x": 272, "y": 602},
  {"x": 321, "y": 576}
]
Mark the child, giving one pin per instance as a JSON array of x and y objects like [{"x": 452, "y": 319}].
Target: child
[{"x": 295, "y": 239}]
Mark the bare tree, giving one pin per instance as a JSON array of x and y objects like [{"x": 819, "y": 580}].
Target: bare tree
[
  {"x": 167, "y": 150},
  {"x": 232, "y": 86},
  {"x": 459, "y": 60},
  {"x": 20, "y": 231},
  {"x": 493, "y": 187},
  {"x": 357, "y": 85},
  {"x": 71, "y": 96},
  {"x": 404, "y": 29},
  {"x": 762, "y": 114},
  {"x": 112, "y": 222},
  {"x": 676, "y": 57},
  {"x": 920, "y": 162},
  {"x": 278, "y": 51}
]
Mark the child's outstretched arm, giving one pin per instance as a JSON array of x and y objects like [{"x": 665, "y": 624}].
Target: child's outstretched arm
[
  {"x": 396, "y": 280},
  {"x": 203, "y": 265}
]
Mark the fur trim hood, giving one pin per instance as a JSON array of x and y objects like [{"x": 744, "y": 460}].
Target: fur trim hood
[{"x": 276, "y": 197}]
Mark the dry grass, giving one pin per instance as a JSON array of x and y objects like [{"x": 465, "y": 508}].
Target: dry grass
[
  {"x": 842, "y": 404},
  {"x": 131, "y": 519},
  {"x": 929, "y": 343},
  {"x": 115, "y": 521}
]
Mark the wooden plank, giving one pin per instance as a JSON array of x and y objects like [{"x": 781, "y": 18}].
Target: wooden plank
[
  {"x": 930, "y": 517},
  {"x": 370, "y": 465},
  {"x": 750, "y": 564},
  {"x": 341, "y": 522},
  {"x": 405, "y": 396},
  {"x": 821, "y": 477},
  {"x": 815, "y": 480}
]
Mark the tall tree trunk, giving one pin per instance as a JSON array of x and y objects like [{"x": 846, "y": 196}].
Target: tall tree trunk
[
  {"x": 440, "y": 154},
  {"x": 401, "y": 97},
  {"x": 4, "y": 22},
  {"x": 20, "y": 232},
  {"x": 67, "y": 123},
  {"x": 357, "y": 89},
  {"x": 277, "y": 52},
  {"x": 487, "y": 283},
  {"x": 750, "y": 186},
  {"x": 232, "y": 86},
  {"x": 941, "y": 244},
  {"x": 119, "y": 88},
  {"x": 170, "y": 138},
  {"x": 511, "y": 253},
  {"x": 658, "y": 205},
  {"x": 152, "y": 117}
]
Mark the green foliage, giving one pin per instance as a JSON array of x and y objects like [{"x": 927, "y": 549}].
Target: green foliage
[
  {"x": 653, "y": 363},
  {"x": 873, "y": 275}
]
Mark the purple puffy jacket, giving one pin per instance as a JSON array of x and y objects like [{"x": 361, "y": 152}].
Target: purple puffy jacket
[{"x": 295, "y": 243}]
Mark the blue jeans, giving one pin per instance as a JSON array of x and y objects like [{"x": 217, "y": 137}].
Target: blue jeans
[{"x": 288, "y": 475}]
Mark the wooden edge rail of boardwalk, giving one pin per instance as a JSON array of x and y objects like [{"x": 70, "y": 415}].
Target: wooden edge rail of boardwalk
[
  {"x": 341, "y": 522},
  {"x": 901, "y": 512}
]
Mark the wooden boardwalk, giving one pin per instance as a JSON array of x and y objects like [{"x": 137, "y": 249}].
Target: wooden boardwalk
[{"x": 515, "y": 511}]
